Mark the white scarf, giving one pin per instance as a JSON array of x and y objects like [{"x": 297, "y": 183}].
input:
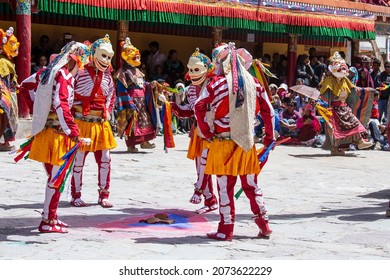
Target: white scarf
[{"x": 241, "y": 119}]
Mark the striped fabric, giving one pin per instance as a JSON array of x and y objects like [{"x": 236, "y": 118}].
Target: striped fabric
[
  {"x": 361, "y": 104},
  {"x": 217, "y": 95},
  {"x": 84, "y": 85},
  {"x": 63, "y": 96}
]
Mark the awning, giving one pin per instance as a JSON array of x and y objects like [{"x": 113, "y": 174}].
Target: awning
[{"x": 217, "y": 14}]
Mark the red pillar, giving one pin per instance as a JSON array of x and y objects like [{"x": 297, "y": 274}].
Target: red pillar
[
  {"x": 291, "y": 59},
  {"x": 123, "y": 29},
  {"x": 23, "y": 60}
]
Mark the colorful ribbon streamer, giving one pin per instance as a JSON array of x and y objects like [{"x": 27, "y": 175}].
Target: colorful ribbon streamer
[
  {"x": 23, "y": 150},
  {"x": 59, "y": 179}
]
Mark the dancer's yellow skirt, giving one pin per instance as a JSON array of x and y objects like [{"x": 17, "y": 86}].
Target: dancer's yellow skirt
[
  {"x": 100, "y": 134},
  {"x": 49, "y": 146},
  {"x": 196, "y": 146},
  {"x": 227, "y": 158}
]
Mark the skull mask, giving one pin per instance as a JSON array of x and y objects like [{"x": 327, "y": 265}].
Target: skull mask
[
  {"x": 338, "y": 67},
  {"x": 9, "y": 43},
  {"x": 199, "y": 67},
  {"x": 130, "y": 54},
  {"x": 103, "y": 53}
]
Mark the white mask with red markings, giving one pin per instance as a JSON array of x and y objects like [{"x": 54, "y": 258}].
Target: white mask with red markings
[
  {"x": 103, "y": 53},
  {"x": 199, "y": 67},
  {"x": 337, "y": 66}
]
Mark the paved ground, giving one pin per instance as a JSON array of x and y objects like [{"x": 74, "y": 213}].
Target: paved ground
[{"x": 320, "y": 207}]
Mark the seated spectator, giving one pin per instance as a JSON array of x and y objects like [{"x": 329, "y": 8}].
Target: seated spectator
[
  {"x": 282, "y": 70},
  {"x": 156, "y": 57},
  {"x": 353, "y": 75},
  {"x": 43, "y": 48},
  {"x": 259, "y": 128},
  {"x": 266, "y": 59},
  {"x": 288, "y": 118},
  {"x": 364, "y": 77},
  {"x": 173, "y": 67},
  {"x": 375, "y": 108},
  {"x": 379, "y": 135},
  {"x": 276, "y": 102},
  {"x": 298, "y": 100},
  {"x": 142, "y": 68},
  {"x": 273, "y": 88},
  {"x": 282, "y": 91},
  {"x": 65, "y": 39},
  {"x": 42, "y": 62},
  {"x": 308, "y": 125},
  {"x": 299, "y": 81},
  {"x": 319, "y": 70},
  {"x": 377, "y": 130},
  {"x": 304, "y": 70},
  {"x": 158, "y": 74}
]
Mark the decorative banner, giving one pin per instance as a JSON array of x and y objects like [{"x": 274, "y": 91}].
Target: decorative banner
[{"x": 218, "y": 14}]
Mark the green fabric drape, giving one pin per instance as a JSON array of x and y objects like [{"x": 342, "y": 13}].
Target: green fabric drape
[{"x": 68, "y": 8}]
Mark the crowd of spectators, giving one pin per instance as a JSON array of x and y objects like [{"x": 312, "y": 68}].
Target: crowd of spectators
[{"x": 296, "y": 113}]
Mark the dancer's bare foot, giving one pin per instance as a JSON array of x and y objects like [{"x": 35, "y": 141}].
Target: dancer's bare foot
[
  {"x": 206, "y": 209},
  {"x": 105, "y": 203},
  {"x": 77, "y": 202},
  {"x": 197, "y": 196}
]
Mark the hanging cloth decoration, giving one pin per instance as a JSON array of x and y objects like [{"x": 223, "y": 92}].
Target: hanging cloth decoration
[{"x": 167, "y": 126}]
